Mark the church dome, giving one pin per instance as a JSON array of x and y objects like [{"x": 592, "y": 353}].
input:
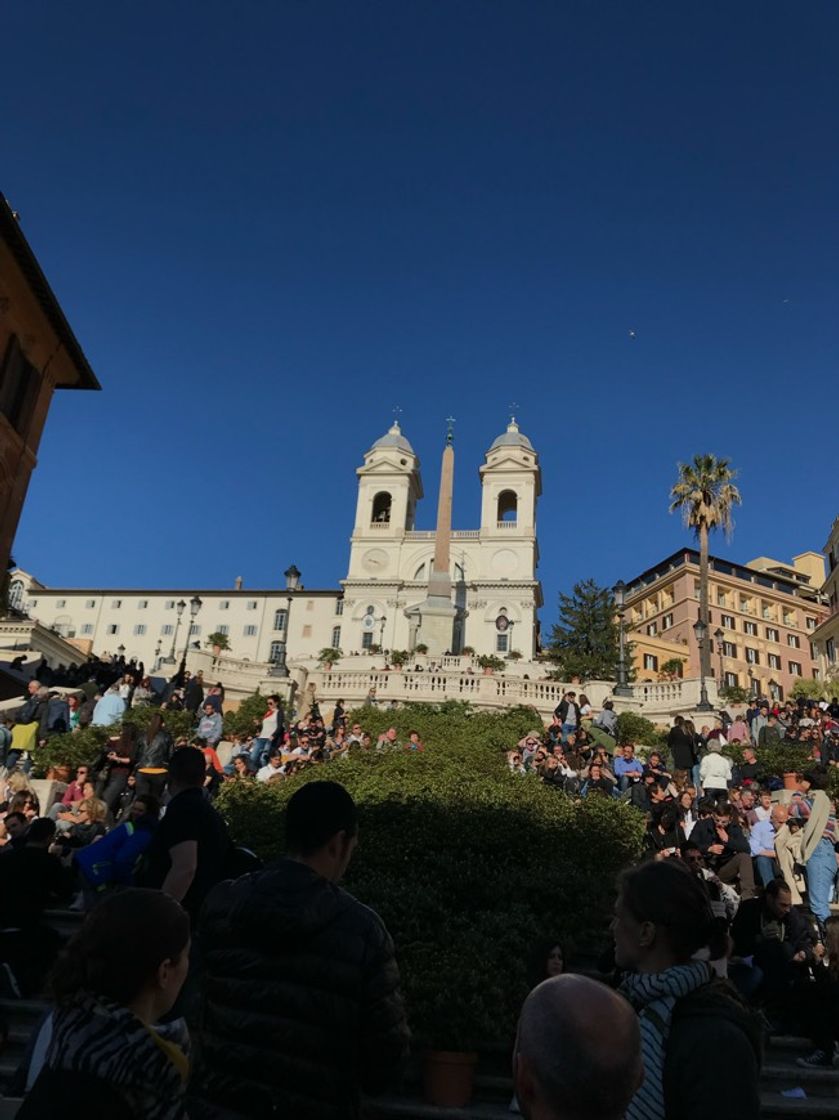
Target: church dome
[
  {"x": 512, "y": 438},
  {"x": 393, "y": 438}
]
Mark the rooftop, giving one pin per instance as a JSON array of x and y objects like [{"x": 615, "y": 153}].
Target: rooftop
[{"x": 512, "y": 438}]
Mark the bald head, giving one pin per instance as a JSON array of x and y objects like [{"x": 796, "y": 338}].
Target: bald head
[
  {"x": 780, "y": 813},
  {"x": 562, "y": 1067}
]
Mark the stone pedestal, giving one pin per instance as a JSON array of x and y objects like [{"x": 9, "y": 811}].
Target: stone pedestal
[{"x": 436, "y": 626}]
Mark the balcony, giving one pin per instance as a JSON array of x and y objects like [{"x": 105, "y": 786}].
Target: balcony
[
  {"x": 379, "y": 526},
  {"x": 509, "y": 525}
]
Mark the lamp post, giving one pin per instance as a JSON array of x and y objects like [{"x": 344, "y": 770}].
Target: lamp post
[
  {"x": 121, "y": 652},
  {"x": 180, "y": 607},
  {"x": 279, "y": 664},
  {"x": 381, "y": 621},
  {"x": 195, "y": 605},
  {"x": 621, "y": 688},
  {"x": 701, "y": 632},
  {"x": 751, "y": 683},
  {"x": 719, "y": 637}
]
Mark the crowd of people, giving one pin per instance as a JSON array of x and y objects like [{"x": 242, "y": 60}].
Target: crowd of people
[{"x": 737, "y": 882}]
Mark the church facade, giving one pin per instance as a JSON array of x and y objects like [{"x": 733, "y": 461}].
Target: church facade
[{"x": 392, "y": 589}]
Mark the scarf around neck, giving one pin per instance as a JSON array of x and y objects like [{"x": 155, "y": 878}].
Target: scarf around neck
[{"x": 654, "y": 996}]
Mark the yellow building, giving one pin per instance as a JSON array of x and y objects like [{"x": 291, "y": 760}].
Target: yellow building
[
  {"x": 763, "y": 616},
  {"x": 38, "y": 354},
  {"x": 826, "y": 635}
]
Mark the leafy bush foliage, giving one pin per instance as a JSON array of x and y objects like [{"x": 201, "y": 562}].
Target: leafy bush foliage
[
  {"x": 177, "y": 723},
  {"x": 79, "y": 748},
  {"x": 247, "y": 717},
  {"x": 468, "y": 864},
  {"x": 633, "y": 728}
]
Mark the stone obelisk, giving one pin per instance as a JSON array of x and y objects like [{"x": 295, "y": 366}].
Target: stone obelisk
[{"x": 437, "y": 612}]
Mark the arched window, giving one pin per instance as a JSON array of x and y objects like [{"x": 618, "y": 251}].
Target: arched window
[
  {"x": 508, "y": 505},
  {"x": 381, "y": 508},
  {"x": 16, "y": 594}
]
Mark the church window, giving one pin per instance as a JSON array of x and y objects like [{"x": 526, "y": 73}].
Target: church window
[
  {"x": 381, "y": 508},
  {"x": 502, "y": 643},
  {"x": 16, "y": 594},
  {"x": 280, "y": 619},
  {"x": 508, "y": 506},
  {"x": 367, "y": 639}
]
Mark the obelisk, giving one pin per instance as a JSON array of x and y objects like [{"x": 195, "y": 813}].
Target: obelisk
[{"x": 437, "y": 612}]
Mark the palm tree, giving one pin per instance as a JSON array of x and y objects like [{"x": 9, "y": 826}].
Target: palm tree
[{"x": 706, "y": 495}]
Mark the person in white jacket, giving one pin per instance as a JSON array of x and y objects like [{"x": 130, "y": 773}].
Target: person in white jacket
[{"x": 715, "y": 769}]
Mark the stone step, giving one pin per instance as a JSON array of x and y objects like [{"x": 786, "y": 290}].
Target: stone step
[{"x": 815, "y": 1082}]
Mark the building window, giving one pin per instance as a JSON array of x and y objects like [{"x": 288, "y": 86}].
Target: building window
[
  {"x": 60, "y": 604},
  {"x": 508, "y": 505},
  {"x": 139, "y": 629},
  {"x": 169, "y": 605},
  {"x": 790, "y": 619},
  {"x": 652, "y": 629},
  {"x": 501, "y": 643},
  {"x": 667, "y": 622},
  {"x": 339, "y": 606},
  {"x": 731, "y": 680},
  {"x": 274, "y": 652},
  {"x": 113, "y": 628},
  {"x": 795, "y": 668},
  {"x": 381, "y": 508},
  {"x": 251, "y": 604},
  {"x": 720, "y": 597},
  {"x": 651, "y": 662},
  {"x": 116, "y": 604},
  {"x": 19, "y": 385},
  {"x": 696, "y": 589},
  {"x": 752, "y": 656},
  {"x": 772, "y": 634},
  {"x": 194, "y": 629},
  {"x": 745, "y": 604},
  {"x": 750, "y": 628},
  {"x": 727, "y": 620},
  {"x": 773, "y": 661},
  {"x": 16, "y": 594},
  {"x": 794, "y": 641},
  {"x": 167, "y": 630},
  {"x": 810, "y": 622},
  {"x": 830, "y": 650},
  {"x": 310, "y": 604},
  {"x": 142, "y": 604},
  {"x": 367, "y": 639},
  {"x": 336, "y": 637},
  {"x": 729, "y": 649},
  {"x": 250, "y": 631},
  {"x": 307, "y": 631},
  {"x": 222, "y": 629},
  {"x": 224, "y": 605},
  {"x": 280, "y": 619}
]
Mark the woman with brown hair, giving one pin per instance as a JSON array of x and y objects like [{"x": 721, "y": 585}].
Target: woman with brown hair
[
  {"x": 662, "y": 919},
  {"x": 119, "y": 976},
  {"x": 117, "y": 764}
]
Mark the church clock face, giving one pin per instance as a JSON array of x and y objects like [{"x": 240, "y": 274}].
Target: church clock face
[{"x": 374, "y": 561}]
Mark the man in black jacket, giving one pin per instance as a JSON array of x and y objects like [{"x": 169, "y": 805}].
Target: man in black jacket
[
  {"x": 726, "y": 849},
  {"x": 682, "y": 751},
  {"x": 301, "y": 976},
  {"x": 778, "y": 939}
]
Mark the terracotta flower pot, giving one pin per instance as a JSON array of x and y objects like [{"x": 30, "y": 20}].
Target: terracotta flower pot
[
  {"x": 448, "y": 1077},
  {"x": 790, "y": 780}
]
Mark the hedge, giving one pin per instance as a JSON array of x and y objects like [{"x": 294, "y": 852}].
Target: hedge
[{"x": 468, "y": 864}]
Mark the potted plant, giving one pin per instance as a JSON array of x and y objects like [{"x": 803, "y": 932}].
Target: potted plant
[
  {"x": 398, "y": 657},
  {"x": 787, "y": 759},
  {"x": 514, "y": 655},
  {"x": 490, "y": 663},
  {"x": 217, "y": 642},
  {"x": 672, "y": 669},
  {"x": 468, "y": 651},
  {"x": 422, "y": 648},
  {"x": 328, "y": 656}
]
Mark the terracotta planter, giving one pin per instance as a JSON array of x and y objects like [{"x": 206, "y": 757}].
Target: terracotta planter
[
  {"x": 790, "y": 780},
  {"x": 448, "y": 1077}
]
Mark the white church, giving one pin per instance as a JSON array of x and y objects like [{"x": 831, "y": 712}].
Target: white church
[{"x": 446, "y": 589}]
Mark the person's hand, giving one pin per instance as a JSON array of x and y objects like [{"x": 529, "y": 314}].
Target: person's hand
[
  {"x": 800, "y": 957},
  {"x": 723, "y": 834},
  {"x": 716, "y": 849},
  {"x": 818, "y": 951}
]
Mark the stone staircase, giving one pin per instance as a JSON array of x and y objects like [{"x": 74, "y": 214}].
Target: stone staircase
[{"x": 493, "y": 1081}]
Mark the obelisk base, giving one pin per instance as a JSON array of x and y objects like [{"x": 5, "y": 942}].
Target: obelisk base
[{"x": 436, "y": 626}]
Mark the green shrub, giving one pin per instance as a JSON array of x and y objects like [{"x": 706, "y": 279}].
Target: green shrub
[
  {"x": 78, "y": 748},
  {"x": 177, "y": 723},
  {"x": 633, "y": 728},
  {"x": 467, "y": 864},
  {"x": 247, "y": 717}
]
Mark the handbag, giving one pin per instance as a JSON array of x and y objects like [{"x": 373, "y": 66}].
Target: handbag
[{"x": 25, "y": 736}]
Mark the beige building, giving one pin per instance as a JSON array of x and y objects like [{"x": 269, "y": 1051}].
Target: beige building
[
  {"x": 763, "y": 617},
  {"x": 38, "y": 354},
  {"x": 494, "y": 589},
  {"x": 826, "y": 635}
]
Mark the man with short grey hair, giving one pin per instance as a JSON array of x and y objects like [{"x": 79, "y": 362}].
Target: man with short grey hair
[{"x": 561, "y": 1068}]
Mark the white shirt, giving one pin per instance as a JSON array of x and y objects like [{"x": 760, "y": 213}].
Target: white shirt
[
  {"x": 268, "y": 771},
  {"x": 269, "y": 726},
  {"x": 715, "y": 771}
]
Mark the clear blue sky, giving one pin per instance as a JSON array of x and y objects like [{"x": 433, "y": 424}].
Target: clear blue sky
[{"x": 271, "y": 222}]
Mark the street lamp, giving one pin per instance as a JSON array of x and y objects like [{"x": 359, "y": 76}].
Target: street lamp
[
  {"x": 621, "y": 688},
  {"x": 381, "y": 621},
  {"x": 157, "y": 650},
  {"x": 701, "y": 632},
  {"x": 121, "y": 652},
  {"x": 279, "y": 663},
  {"x": 180, "y": 607},
  {"x": 195, "y": 605},
  {"x": 751, "y": 675},
  {"x": 719, "y": 635}
]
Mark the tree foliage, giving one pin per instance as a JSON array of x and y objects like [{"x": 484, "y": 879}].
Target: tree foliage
[
  {"x": 585, "y": 642},
  {"x": 811, "y": 689}
]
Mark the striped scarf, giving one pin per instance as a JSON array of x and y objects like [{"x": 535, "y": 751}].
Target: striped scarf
[{"x": 654, "y": 995}]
